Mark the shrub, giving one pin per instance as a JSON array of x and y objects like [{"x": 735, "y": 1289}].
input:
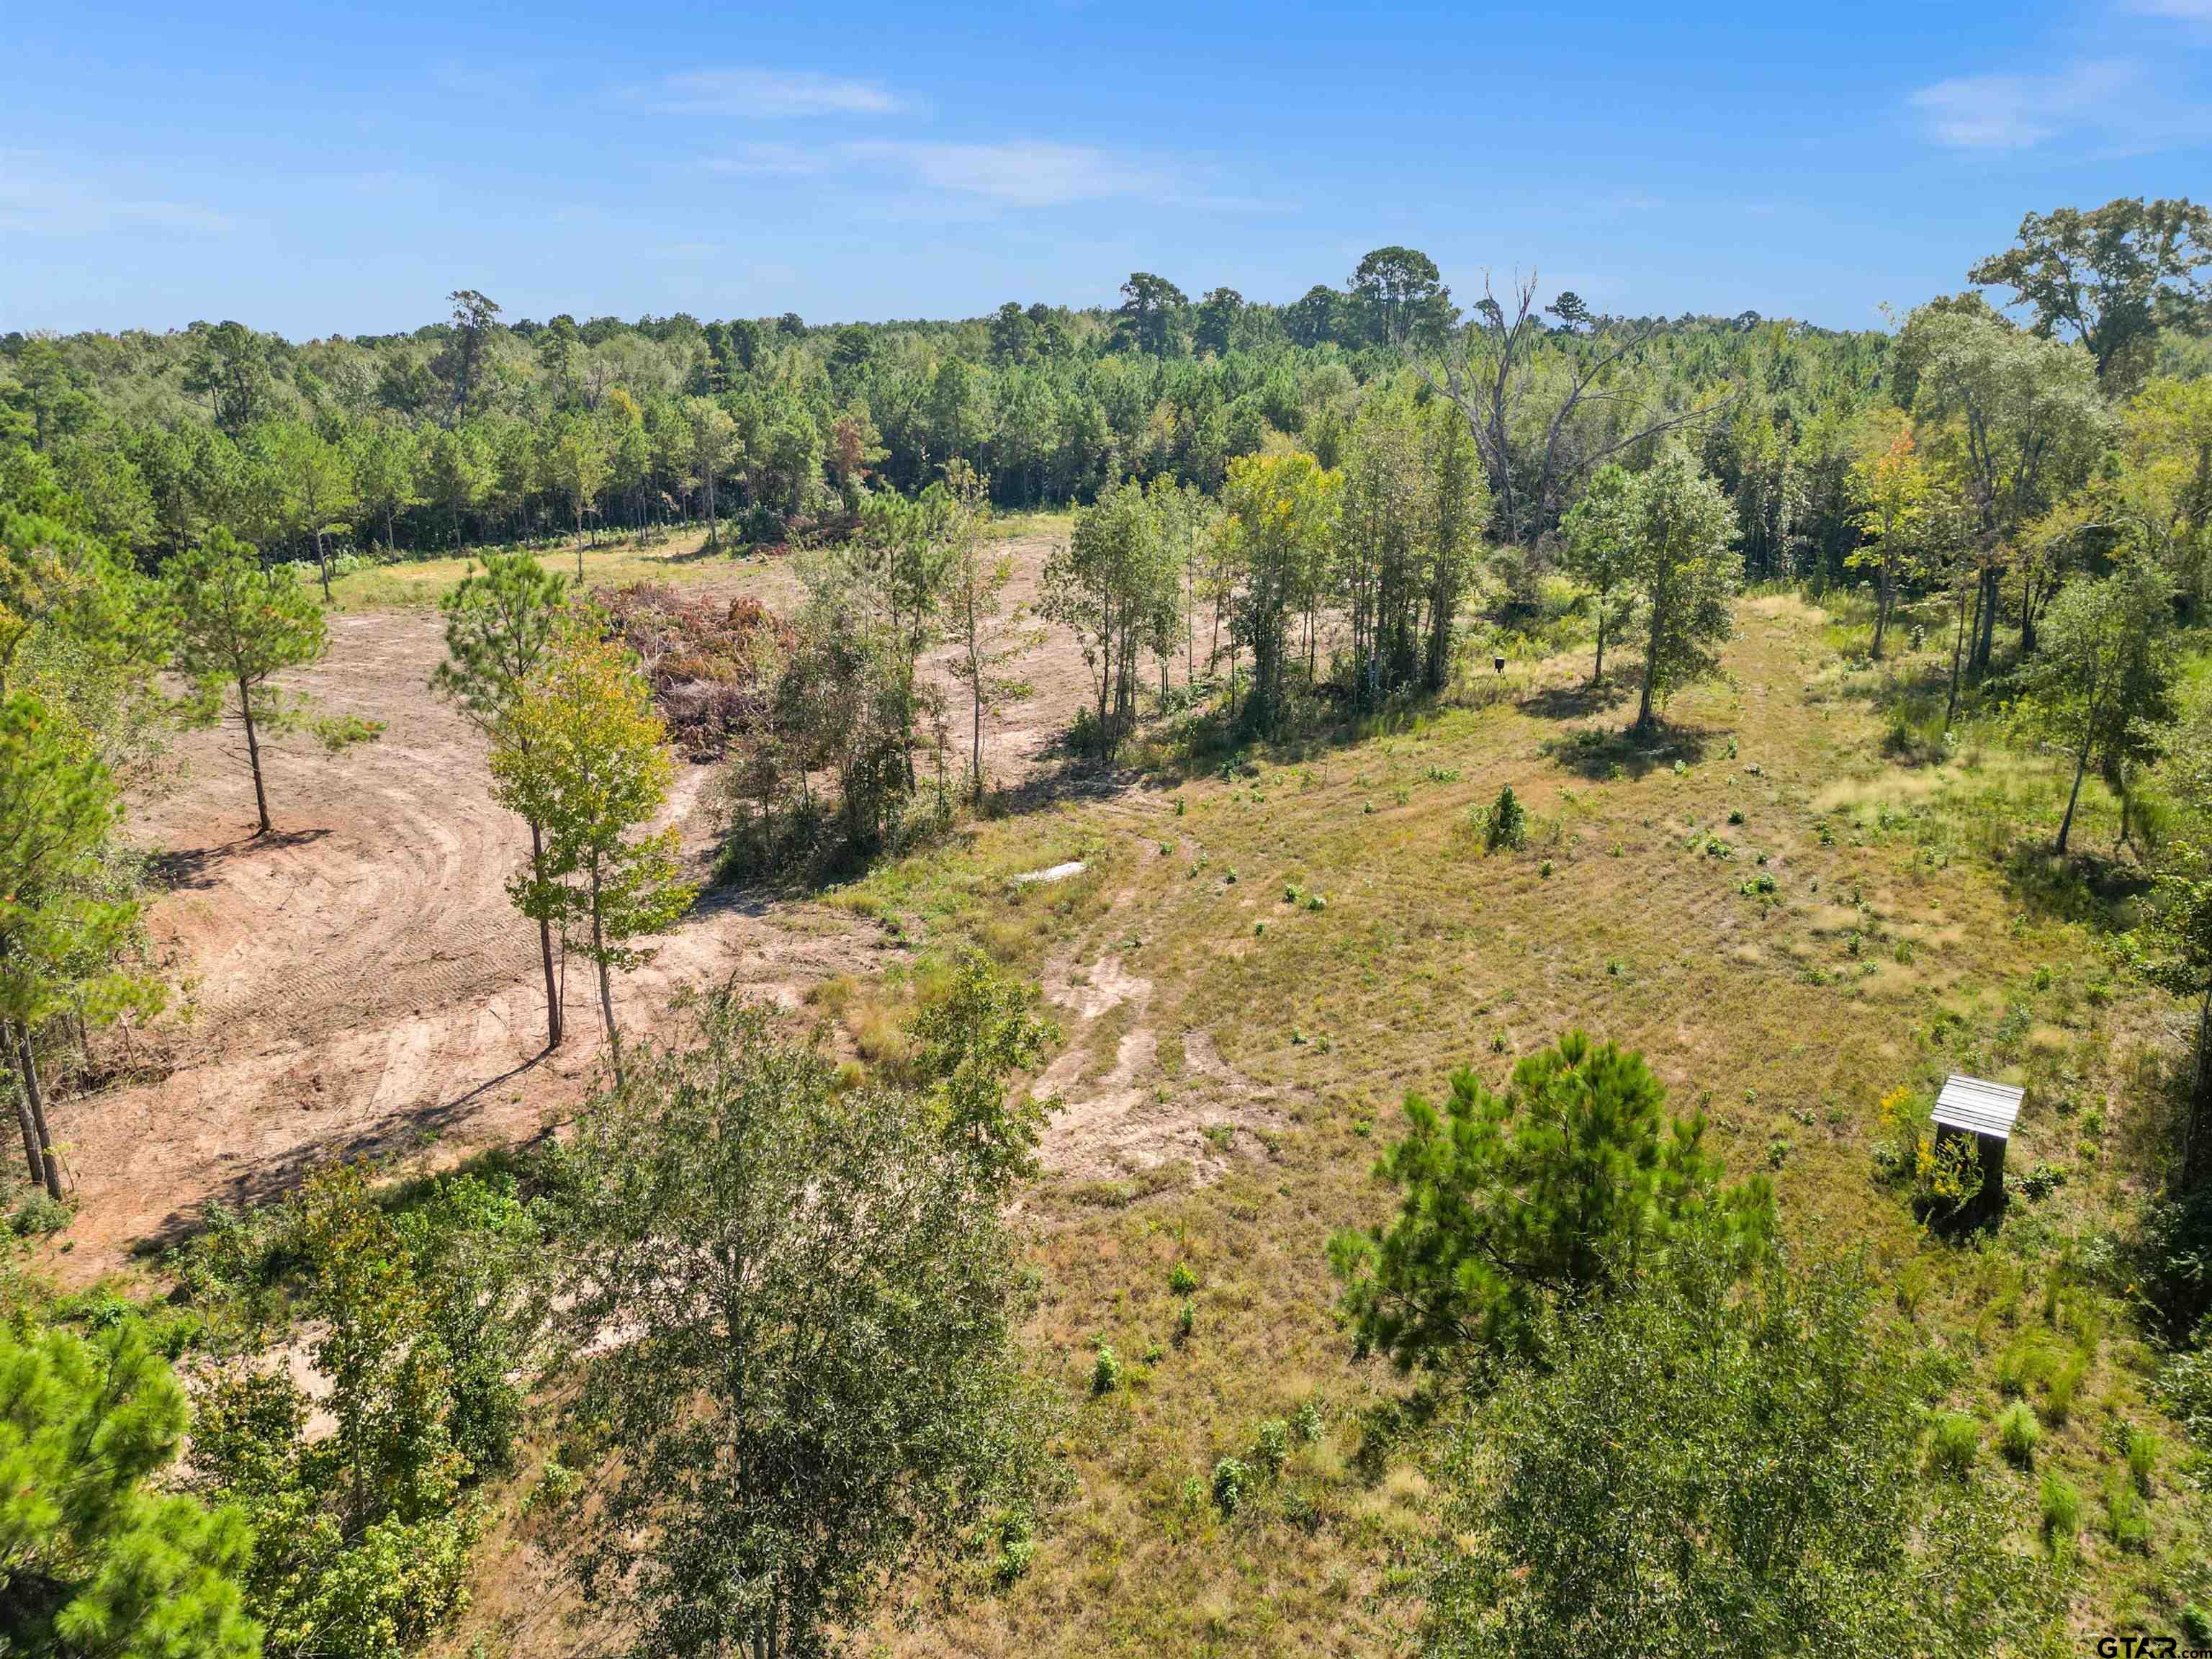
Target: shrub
[
  {"x": 1956, "y": 1442},
  {"x": 1016, "y": 1548},
  {"x": 38, "y": 1212},
  {"x": 2127, "y": 1517},
  {"x": 2142, "y": 1458},
  {"x": 1946, "y": 1177},
  {"x": 1180, "y": 1281},
  {"x": 1231, "y": 1481},
  {"x": 1506, "y": 823},
  {"x": 1271, "y": 1447},
  {"x": 1186, "y": 1321},
  {"x": 2059, "y": 1396},
  {"x": 1306, "y": 1425},
  {"x": 1105, "y": 1371},
  {"x": 2062, "y": 1512},
  {"x": 2018, "y": 1433}
]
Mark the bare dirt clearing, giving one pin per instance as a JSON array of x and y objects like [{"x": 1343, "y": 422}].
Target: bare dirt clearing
[{"x": 359, "y": 982}]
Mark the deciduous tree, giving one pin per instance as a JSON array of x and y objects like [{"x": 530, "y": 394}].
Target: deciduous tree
[
  {"x": 2105, "y": 674},
  {"x": 579, "y": 751},
  {"x": 818, "y": 1387},
  {"x": 1685, "y": 573},
  {"x": 498, "y": 623},
  {"x": 1599, "y": 531},
  {"x": 1895, "y": 487},
  {"x": 972, "y": 603},
  {"x": 1711, "y": 1466},
  {"x": 2111, "y": 277}
]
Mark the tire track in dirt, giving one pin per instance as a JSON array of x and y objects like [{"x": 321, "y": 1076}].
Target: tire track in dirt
[{"x": 358, "y": 982}]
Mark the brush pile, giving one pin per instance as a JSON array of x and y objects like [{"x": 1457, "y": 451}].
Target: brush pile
[{"x": 712, "y": 667}]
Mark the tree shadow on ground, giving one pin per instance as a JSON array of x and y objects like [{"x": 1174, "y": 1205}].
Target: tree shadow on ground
[
  {"x": 193, "y": 868},
  {"x": 1600, "y": 753},
  {"x": 272, "y": 1179},
  {"x": 2097, "y": 890},
  {"x": 1576, "y": 700}
]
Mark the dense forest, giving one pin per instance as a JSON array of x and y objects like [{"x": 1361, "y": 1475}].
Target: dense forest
[
  {"x": 477, "y": 429},
  {"x": 775, "y": 1325}
]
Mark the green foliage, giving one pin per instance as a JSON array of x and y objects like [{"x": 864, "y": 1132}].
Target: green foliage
[
  {"x": 579, "y": 752},
  {"x": 2102, "y": 680},
  {"x": 427, "y": 1324},
  {"x": 1279, "y": 516},
  {"x": 499, "y": 622},
  {"x": 2061, "y": 1503},
  {"x": 1182, "y": 1281},
  {"x": 2127, "y": 1517},
  {"x": 1679, "y": 528},
  {"x": 1505, "y": 824},
  {"x": 1231, "y": 1485},
  {"x": 1271, "y": 1448},
  {"x": 821, "y": 1388},
  {"x": 1954, "y": 1444},
  {"x": 236, "y": 623},
  {"x": 65, "y": 932},
  {"x": 2141, "y": 1449},
  {"x": 93, "y": 1559},
  {"x": 1600, "y": 536},
  {"x": 1558, "y": 1191},
  {"x": 969, "y": 1044},
  {"x": 2110, "y": 278},
  {"x": 1118, "y": 587},
  {"x": 1705, "y": 1466},
  {"x": 2018, "y": 1434},
  {"x": 1105, "y": 1371}
]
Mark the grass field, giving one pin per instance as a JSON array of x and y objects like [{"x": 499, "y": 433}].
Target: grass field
[
  {"x": 679, "y": 555},
  {"x": 1236, "y": 1054}
]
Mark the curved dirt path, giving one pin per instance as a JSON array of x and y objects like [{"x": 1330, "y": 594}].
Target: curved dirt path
[{"x": 358, "y": 983}]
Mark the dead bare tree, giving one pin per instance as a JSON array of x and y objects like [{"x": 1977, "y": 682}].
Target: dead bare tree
[{"x": 1491, "y": 375}]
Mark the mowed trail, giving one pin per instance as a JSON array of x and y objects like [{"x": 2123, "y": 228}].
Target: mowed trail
[{"x": 358, "y": 983}]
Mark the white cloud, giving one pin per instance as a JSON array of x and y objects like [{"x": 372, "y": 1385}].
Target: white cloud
[
  {"x": 771, "y": 160},
  {"x": 1022, "y": 173},
  {"x": 2013, "y": 112},
  {"x": 1011, "y": 173},
  {"x": 37, "y": 199},
  {"x": 2113, "y": 106},
  {"x": 766, "y": 94}
]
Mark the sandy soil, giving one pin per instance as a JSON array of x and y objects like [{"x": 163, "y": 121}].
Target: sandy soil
[{"x": 358, "y": 982}]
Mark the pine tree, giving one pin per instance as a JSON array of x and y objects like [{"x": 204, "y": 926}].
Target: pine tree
[
  {"x": 92, "y": 1561},
  {"x": 237, "y": 623},
  {"x": 1550, "y": 1193},
  {"x": 61, "y": 930}
]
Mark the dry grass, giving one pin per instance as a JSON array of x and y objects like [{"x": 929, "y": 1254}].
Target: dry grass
[
  {"x": 411, "y": 584},
  {"x": 1905, "y": 935}
]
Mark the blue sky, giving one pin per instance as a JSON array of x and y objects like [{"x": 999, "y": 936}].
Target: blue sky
[{"x": 329, "y": 168}]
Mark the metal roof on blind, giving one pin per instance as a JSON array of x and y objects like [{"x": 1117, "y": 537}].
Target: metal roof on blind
[{"x": 1979, "y": 1107}]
